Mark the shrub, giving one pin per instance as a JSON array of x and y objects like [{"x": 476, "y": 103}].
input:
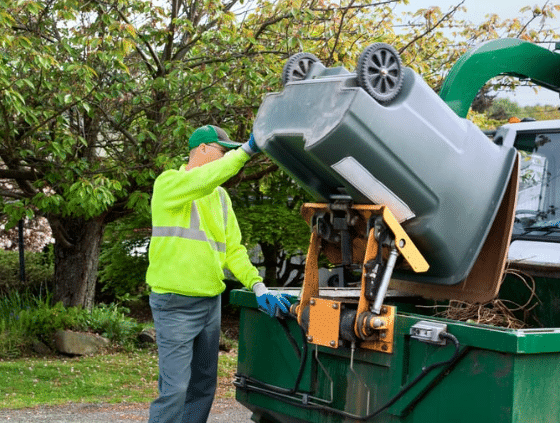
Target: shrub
[
  {"x": 111, "y": 322},
  {"x": 39, "y": 271},
  {"x": 25, "y": 318},
  {"x": 123, "y": 262}
]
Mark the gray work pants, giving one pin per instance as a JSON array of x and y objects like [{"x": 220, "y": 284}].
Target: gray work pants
[{"x": 188, "y": 336}]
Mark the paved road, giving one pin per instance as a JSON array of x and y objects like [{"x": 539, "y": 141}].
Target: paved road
[{"x": 223, "y": 411}]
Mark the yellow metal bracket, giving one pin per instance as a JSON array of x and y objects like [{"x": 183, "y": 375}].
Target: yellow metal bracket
[
  {"x": 402, "y": 241},
  {"x": 311, "y": 277},
  {"x": 382, "y": 329},
  {"x": 364, "y": 212},
  {"x": 367, "y": 324},
  {"x": 375, "y": 330},
  {"x": 324, "y": 322}
]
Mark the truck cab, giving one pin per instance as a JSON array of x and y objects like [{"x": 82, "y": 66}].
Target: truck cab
[{"x": 535, "y": 245}]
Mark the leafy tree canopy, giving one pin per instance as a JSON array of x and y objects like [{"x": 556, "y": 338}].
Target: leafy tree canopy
[{"x": 98, "y": 97}]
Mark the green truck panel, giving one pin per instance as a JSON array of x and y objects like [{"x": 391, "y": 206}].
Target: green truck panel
[{"x": 500, "y": 375}]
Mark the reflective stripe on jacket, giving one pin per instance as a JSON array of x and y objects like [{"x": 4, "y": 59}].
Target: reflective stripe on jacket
[{"x": 195, "y": 233}]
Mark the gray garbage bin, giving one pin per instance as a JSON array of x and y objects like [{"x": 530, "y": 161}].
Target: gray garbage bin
[{"x": 438, "y": 173}]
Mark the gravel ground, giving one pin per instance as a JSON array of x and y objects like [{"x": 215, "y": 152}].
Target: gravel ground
[{"x": 224, "y": 410}]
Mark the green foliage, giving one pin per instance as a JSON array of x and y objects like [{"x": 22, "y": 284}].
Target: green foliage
[
  {"x": 483, "y": 121},
  {"x": 111, "y": 322},
  {"x": 26, "y": 318},
  {"x": 18, "y": 327},
  {"x": 538, "y": 112},
  {"x": 503, "y": 109},
  {"x": 42, "y": 320},
  {"x": 39, "y": 271},
  {"x": 122, "y": 272},
  {"x": 97, "y": 107},
  {"x": 97, "y": 99},
  {"x": 268, "y": 211},
  {"x": 284, "y": 226},
  {"x": 123, "y": 261}
]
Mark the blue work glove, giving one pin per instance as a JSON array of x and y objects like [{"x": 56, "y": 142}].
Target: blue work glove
[
  {"x": 272, "y": 303},
  {"x": 250, "y": 147}
]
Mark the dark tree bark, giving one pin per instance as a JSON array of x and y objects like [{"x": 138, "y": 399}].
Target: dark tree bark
[{"x": 77, "y": 247}]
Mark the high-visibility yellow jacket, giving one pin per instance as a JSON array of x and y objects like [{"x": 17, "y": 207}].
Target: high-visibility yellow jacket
[{"x": 195, "y": 233}]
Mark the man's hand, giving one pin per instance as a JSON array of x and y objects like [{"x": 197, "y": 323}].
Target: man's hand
[
  {"x": 250, "y": 147},
  {"x": 271, "y": 302}
]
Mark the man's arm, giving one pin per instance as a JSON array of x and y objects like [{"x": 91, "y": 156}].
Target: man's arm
[{"x": 173, "y": 188}]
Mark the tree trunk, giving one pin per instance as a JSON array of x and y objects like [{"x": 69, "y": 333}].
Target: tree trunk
[{"x": 76, "y": 249}]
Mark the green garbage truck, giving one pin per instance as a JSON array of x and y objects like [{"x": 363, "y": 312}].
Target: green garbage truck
[{"x": 428, "y": 219}]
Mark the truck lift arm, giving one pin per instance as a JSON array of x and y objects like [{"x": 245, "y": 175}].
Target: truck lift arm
[{"x": 507, "y": 56}]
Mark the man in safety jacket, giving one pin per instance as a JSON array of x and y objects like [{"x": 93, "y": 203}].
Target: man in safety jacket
[{"x": 195, "y": 235}]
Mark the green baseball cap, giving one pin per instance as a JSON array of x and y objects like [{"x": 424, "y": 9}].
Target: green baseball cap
[{"x": 209, "y": 134}]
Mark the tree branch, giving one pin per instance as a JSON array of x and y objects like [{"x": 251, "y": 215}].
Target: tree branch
[
  {"x": 181, "y": 52},
  {"x": 207, "y": 61},
  {"x": 54, "y": 116},
  {"x": 118, "y": 126},
  {"x": 428, "y": 30},
  {"x": 11, "y": 194},
  {"x": 59, "y": 232},
  {"x": 240, "y": 177},
  {"x": 24, "y": 175},
  {"x": 261, "y": 174},
  {"x": 171, "y": 30},
  {"x": 268, "y": 23},
  {"x": 337, "y": 37},
  {"x": 26, "y": 29},
  {"x": 522, "y": 30},
  {"x": 358, "y": 6},
  {"x": 153, "y": 54}
]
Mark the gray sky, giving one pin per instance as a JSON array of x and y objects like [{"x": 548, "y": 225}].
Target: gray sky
[
  {"x": 477, "y": 9},
  {"x": 506, "y": 9}
]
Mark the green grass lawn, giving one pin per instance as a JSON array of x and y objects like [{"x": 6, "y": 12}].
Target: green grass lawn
[{"x": 109, "y": 378}]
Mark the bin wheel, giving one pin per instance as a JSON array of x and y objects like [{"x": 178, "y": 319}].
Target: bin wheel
[
  {"x": 379, "y": 72},
  {"x": 297, "y": 67}
]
